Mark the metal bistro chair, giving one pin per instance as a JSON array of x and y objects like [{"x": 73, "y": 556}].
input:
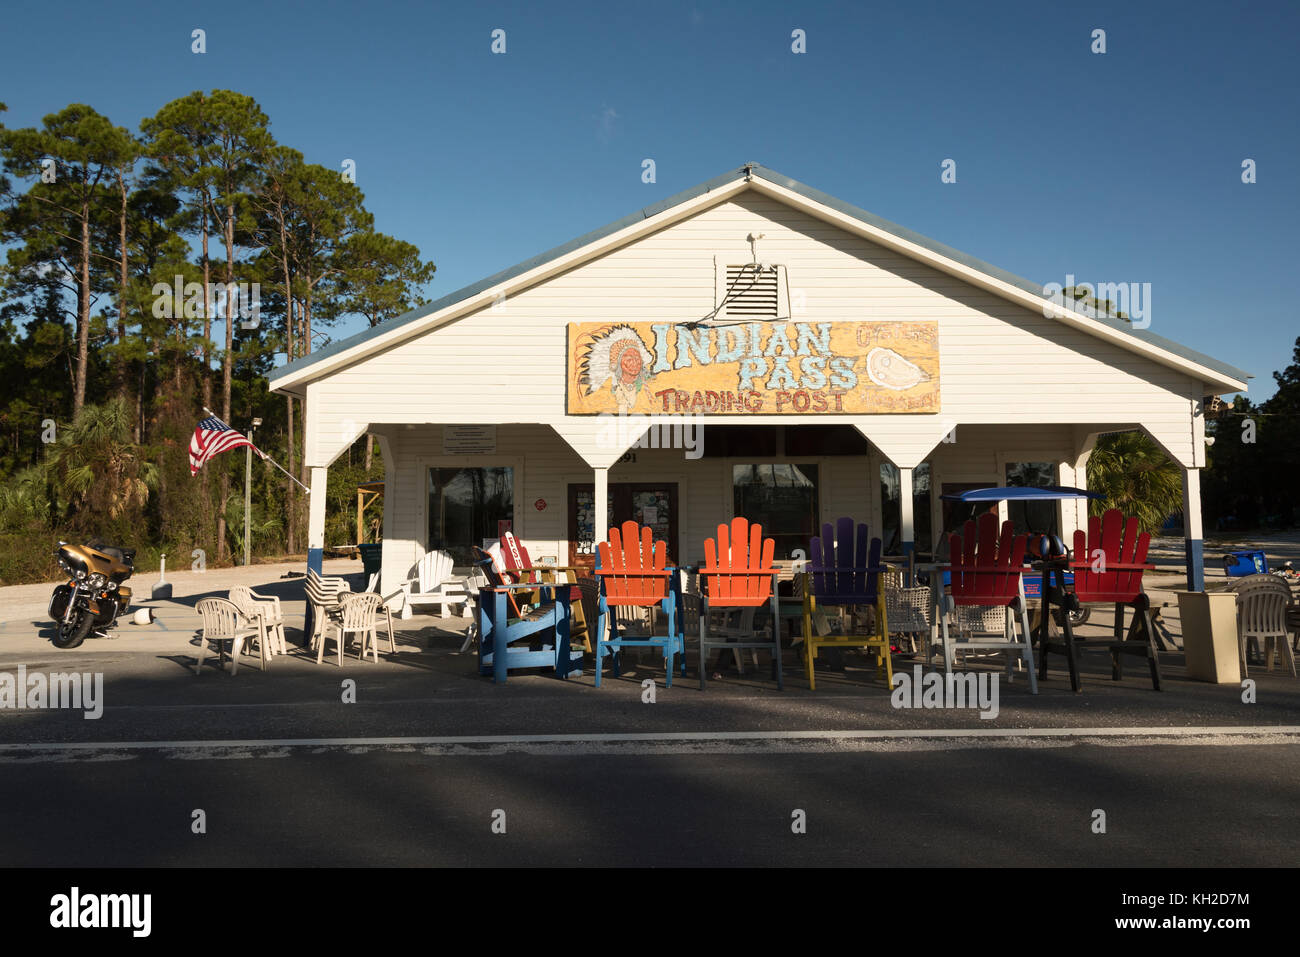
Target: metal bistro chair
[
  {"x": 223, "y": 621},
  {"x": 907, "y": 609}
]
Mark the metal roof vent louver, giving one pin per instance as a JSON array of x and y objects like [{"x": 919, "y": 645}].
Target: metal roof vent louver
[{"x": 754, "y": 290}]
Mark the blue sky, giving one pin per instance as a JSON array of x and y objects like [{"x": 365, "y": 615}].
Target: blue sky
[{"x": 1115, "y": 167}]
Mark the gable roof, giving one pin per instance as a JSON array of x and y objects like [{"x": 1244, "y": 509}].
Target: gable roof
[{"x": 293, "y": 377}]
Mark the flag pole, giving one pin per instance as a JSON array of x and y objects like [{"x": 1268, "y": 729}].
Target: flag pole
[{"x": 264, "y": 455}]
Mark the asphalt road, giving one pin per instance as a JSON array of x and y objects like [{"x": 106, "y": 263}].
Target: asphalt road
[
  {"x": 902, "y": 804},
  {"x": 286, "y": 772}
]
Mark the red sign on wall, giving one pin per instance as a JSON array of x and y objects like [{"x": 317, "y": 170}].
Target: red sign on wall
[{"x": 540, "y": 505}]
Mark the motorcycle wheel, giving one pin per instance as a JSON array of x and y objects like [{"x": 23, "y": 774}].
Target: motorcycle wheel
[
  {"x": 1077, "y": 618},
  {"x": 72, "y": 634}
]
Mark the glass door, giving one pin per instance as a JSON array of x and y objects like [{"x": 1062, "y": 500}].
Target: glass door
[{"x": 646, "y": 503}]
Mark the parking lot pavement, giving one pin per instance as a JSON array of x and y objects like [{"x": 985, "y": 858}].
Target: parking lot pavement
[
  {"x": 430, "y": 689},
  {"x": 410, "y": 760}
]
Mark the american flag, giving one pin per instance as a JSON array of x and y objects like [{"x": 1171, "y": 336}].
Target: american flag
[{"x": 213, "y": 437}]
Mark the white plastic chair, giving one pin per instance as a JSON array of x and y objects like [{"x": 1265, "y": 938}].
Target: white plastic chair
[
  {"x": 477, "y": 579},
  {"x": 1261, "y": 614},
  {"x": 323, "y": 595},
  {"x": 266, "y": 607},
  {"x": 222, "y": 621},
  {"x": 360, "y": 616},
  {"x": 373, "y": 587}
]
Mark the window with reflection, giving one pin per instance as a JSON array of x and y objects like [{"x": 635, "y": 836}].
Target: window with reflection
[
  {"x": 467, "y": 505},
  {"x": 782, "y": 497},
  {"x": 1032, "y": 516}
]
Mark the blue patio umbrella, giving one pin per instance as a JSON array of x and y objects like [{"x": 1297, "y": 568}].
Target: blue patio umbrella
[{"x": 1021, "y": 493}]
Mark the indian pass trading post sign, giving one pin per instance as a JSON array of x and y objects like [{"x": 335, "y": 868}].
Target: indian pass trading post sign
[{"x": 753, "y": 368}]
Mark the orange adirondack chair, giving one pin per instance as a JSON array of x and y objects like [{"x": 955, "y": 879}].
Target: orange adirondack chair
[
  {"x": 634, "y": 573},
  {"x": 738, "y": 573},
  {"x": 986, "y": 569},
  {"x": 1108, "y": 564}
]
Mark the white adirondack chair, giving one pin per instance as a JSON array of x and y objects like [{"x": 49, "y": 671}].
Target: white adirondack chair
[{"x": 432, "y": 584}]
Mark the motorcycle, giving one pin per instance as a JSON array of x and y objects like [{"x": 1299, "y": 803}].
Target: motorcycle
[{"x": 94, "y": 596}]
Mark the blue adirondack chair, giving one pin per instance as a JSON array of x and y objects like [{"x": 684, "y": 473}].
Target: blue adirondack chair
[
  {"x": 634, "y": 573},
  {"x": 843, "y": 571},
  {"x": 501, "y": 625}
]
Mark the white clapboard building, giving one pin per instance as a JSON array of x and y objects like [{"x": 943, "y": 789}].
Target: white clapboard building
[{"x": 803, "y": 359}]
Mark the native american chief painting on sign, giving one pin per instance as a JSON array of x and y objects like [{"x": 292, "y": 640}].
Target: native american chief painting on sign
[{"x": 618, "y": 358}]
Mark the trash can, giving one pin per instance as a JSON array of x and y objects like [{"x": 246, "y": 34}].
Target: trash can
[
  {"x": 372, "y": 558},
  {"x": 1241, "y": 564},
  {"x": 1210, "y": 643}
]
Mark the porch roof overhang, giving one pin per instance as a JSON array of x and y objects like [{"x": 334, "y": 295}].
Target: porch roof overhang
[{"x": 1216, "y": 377}]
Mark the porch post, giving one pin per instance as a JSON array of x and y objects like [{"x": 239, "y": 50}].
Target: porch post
[
  {"x": 906, "y": 521},
  {"x": 1192, "y": 532},
  {"x": 600, "y": 506},
  {"x": 315, "y": 537}
]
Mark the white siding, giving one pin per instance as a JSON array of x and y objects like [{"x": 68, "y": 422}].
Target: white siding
[{"x": 999, "y": 363}]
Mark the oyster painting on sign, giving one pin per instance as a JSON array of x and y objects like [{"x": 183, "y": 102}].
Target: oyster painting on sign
[{"x": 887, "y": 369}]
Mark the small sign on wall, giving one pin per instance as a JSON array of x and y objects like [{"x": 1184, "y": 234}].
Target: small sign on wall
[{"x": 469, "y": 439}]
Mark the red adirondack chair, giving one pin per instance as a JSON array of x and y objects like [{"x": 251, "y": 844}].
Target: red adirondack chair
[
  {"x": 1108, "y": 564},
  {"x": 738, "y": 573},
  {"x": 634, "y": 573},
  {"x": 986, "y": 568}
]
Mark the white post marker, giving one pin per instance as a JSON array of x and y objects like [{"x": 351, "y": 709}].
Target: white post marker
[{"x": 162, "y": 589}]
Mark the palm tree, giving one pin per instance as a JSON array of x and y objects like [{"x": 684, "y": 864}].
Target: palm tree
[
  {"x": 260, "y": 526},
  {"x": 1136, "y": 477},
  {"x": 95, "y": 468}
]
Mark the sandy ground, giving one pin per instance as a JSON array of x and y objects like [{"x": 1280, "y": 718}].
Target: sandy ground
[{"x": 26, "y": 601}]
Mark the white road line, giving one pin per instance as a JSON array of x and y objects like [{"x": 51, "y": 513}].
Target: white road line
[{"x": 666, "y": 737}]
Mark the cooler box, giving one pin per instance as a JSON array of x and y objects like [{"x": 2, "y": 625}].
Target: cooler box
[
  {"x": 1033, "y": 583},
  {"x": 1241, "y": 564}
]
